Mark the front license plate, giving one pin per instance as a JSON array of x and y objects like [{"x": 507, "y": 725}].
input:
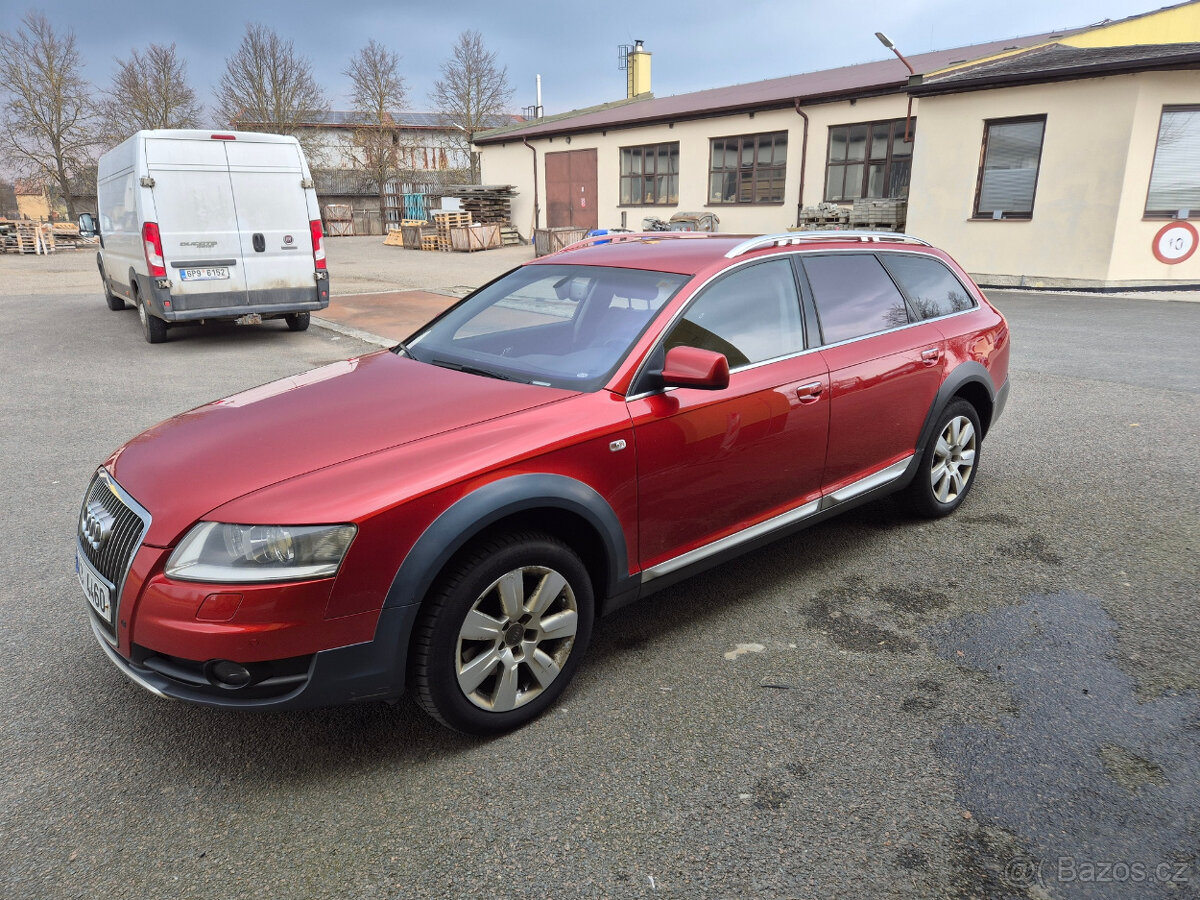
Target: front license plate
[
  {"x": 95, "y": 587},
  {"x": 211, "y": 273}
]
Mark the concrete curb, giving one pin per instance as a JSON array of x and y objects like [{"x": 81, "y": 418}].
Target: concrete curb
[{"x": 365, "y": 336}]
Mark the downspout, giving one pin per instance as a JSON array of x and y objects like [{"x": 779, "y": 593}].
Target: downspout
[
  {"x": 803, "y": 158},
  {"x": 537, "y": 213}
]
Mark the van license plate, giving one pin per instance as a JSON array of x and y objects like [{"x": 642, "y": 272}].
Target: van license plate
[{"x": 212, "y": 273}]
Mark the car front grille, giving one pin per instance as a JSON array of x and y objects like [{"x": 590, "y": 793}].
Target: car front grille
[{"x": 111, "y": 527}]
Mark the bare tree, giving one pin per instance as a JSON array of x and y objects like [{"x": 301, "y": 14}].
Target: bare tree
[
  {"x": 378, "y": 90},
  {"x": 267, "y": 86},
  {"x": 48, "y": 116},
  {"x": 472, "y": 94},
  {"x": 149, "y": 91}
]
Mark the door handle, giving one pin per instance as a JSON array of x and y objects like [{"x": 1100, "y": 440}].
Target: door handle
[
  {"x": 931, "y": 356},
  {"x": 260, "y": 242},
  {"x": 811, "y": 392}
]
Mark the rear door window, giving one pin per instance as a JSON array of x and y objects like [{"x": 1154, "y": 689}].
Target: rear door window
[
  {"x": 932, "y": 288},
  {"x": 750, "y": 315},
  {"x": 854, "y": 296}
]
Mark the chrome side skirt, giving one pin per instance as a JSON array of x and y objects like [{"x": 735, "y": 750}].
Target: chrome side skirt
[{"x": 792, "y": 516}]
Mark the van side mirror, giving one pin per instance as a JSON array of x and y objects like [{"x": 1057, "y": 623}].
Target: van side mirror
[
  {"x": 695, "y": 368},
  {"x": 88, "y": 226}
]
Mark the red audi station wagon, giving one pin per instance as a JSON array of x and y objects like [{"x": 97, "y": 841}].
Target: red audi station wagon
[{"x": 451, "y": 516}]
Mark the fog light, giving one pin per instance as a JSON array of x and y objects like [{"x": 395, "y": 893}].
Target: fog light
[{"x": 229, "y": 675}]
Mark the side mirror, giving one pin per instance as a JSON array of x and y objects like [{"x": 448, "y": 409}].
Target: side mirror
[
  {"x": 695, "y": 368},
  {"x": 88, "y": 226}
]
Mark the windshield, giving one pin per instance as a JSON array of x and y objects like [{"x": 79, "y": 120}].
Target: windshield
[{"x": 556, "y": 325}]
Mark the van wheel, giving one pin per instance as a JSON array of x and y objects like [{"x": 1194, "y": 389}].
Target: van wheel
[
  {"x": 297, "y": 321},
  {"x": 114, "y": 302},
  {"x": 154, "y": 328},
  {"x": 499, "y": 639}
]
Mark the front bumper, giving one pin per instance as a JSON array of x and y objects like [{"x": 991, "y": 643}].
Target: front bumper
[{"x": 373, "y": 670}]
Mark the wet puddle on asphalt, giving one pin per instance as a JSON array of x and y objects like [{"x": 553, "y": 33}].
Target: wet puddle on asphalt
[{"x": 1085, "y": 791}]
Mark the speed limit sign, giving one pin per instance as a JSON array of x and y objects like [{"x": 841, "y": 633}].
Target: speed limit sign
[{"x": 1175, "y": 242}]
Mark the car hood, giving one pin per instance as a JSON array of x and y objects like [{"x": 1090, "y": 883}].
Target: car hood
[{"x": 190, "y": 464}]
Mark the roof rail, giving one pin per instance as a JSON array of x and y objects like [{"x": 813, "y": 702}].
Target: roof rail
[
  {"x": 804, "y": 237},
  {"x": 620, "y": 237}
]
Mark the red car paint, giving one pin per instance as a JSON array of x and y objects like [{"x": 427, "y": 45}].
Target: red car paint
[{"x": 390, "y": 444}]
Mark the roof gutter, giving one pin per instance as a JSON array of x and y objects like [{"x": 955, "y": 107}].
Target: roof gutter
[{"x": 712, "y": 112}]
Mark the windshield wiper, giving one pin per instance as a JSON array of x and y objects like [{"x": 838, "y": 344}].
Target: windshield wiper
[{"x": 471, "y": 370}]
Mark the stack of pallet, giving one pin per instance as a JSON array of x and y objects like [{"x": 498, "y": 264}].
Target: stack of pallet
[
  {"x": 879, "y": 215},
  {"x": 32, "y": 237},
  {"x": 823, "y": 217},
  {"x": 339, "y": 219},
  {"x": 491, "y": 204},
  {"x": 444, "y": 221}
]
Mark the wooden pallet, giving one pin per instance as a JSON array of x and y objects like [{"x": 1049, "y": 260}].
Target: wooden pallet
[
  {"x": 445, "y": 222},
  {"x": 34, "y": 238},
  {"x": 431, "y": 242}
]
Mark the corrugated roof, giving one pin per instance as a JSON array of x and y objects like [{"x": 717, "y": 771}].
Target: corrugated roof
[
  {"x": 865, "y": 79},
  {"x": 1056, "y": 62}
]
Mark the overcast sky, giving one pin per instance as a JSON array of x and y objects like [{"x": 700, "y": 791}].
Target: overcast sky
[{"x": 572, "y": 44}]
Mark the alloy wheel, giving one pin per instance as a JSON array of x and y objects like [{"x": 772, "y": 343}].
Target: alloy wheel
[{"x": 515, "y": 638}]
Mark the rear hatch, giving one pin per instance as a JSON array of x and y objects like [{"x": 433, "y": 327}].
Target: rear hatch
[{"x": 197, "y": 220}]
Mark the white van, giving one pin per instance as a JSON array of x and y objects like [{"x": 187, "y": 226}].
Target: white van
[{"x": 199, "y": 226}]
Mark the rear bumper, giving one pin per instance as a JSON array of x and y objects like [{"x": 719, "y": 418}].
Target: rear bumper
[
  {"x": 175, "y": 307},
  {"x": 1000, "y": 402},
  {"x": 373, "y": 670}
]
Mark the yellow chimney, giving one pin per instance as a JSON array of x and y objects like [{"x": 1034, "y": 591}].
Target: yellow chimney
[{"x": 638, "y": 72}]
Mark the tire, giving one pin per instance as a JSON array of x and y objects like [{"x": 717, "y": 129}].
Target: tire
[
  {"x": 487, "y": 656},
  {"x": 154, "y": 328},
  {"x": 114, "y": 302},
  {"x": 297, "y": 321},
  {"x": 949, "y": 463}
]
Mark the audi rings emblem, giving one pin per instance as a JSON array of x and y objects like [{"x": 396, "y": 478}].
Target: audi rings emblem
[{"x": 96, "y": 524}]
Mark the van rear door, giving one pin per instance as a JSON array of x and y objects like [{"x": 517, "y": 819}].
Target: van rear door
[
  {"x": 273, "y": 215},
  {"x": 197, "y": 219}
]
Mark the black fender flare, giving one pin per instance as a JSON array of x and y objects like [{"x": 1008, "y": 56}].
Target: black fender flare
[
  {"x": 969, "y": 372},
  {"x": 470, "y": 515}
]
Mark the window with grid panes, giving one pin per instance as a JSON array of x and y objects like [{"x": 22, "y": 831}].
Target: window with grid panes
[
  {"x": 747, "y": 168},
  {"x": 869, "y": 159},
  {"x": 650, "y": 175}
]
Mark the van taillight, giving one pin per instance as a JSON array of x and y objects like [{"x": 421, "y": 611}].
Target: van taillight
[
  {"x": 223, "y": 137},
  {"x": 152, "y": 242},
  {"x": 314, "y": 228}
]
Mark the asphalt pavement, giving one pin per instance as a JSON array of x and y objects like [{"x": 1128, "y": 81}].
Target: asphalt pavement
[{"x": 999, "y": 704}]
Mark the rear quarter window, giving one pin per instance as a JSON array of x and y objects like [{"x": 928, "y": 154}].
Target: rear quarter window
[
  {"x": 854, "y": 296},
  {"x": 932, "y": 288}
]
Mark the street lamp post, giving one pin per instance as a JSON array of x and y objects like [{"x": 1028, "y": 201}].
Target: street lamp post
[{"x": 887, "y": 42}]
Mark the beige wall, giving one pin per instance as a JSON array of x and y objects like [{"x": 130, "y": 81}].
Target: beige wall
[
  {"x": 1132, "y": 257},
  {"x": 1087, "y": 228},
  {"x": 512, "y": 164}
]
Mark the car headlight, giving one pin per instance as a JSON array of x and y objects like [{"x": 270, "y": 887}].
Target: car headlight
[{"x": 215, "y": 551}]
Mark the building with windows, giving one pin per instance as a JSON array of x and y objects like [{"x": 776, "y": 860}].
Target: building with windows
[{"x": 1069, "y": 159}]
